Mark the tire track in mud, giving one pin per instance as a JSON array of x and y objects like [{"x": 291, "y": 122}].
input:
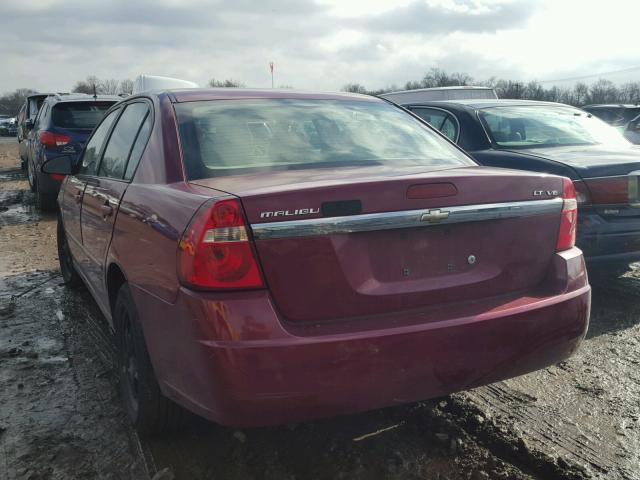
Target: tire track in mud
[{"x": 580, "y": 418}]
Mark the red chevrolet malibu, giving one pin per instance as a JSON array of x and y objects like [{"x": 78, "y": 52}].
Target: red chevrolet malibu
[{"x": 274, "y": 256}]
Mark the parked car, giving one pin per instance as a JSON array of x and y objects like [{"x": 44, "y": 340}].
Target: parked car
[
  {"x": 563, "y": 140},
  {"x": 616, "y": 115},
  {"x": 62, "y": 127},
  {"x": 440, "y": 93},
  {"x": 26, "y": 118},
  {"x": 7, "y": 126},
  {"x": 272, "y": 256},
  {"x": 632, "y": 131}
]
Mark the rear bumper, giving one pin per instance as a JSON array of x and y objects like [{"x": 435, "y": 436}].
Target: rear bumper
[
  {"x": 229, "y": 358},
  {"x": 608, "y": 242}
]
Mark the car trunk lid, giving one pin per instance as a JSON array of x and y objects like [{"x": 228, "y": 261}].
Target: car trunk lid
[{"x": 363, "y": 242}]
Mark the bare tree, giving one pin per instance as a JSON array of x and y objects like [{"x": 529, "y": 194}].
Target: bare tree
[
  {"x": 108, "y": 86},
  {"x": 228, "y": 83},
  {"x": 354, "y": 88},
  {"x": 126, "y": 86},
  {"x": 581, "y": 93},
  {"x": 10, "y": 103},
  {"x": 603, "y": 91}
]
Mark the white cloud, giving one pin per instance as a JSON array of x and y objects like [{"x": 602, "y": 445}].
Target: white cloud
[{"x": 49, "y": 44}]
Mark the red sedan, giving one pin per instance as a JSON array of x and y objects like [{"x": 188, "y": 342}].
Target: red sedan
[{"x": 274, "y": 256}]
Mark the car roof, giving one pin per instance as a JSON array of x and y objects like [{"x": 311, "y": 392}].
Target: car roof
[
  {"x": 489, "y": 102},
  {"x": 613, "y": 105},
  {"x": 198, "y": 94},
  {"x": 82, "y": 97}
]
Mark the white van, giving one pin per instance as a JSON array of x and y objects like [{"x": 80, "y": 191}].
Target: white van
[
  {"x": 146, "y": 83},
  {"x": 440, "y": 93}
]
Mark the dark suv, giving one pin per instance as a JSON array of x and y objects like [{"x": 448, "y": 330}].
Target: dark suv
[{"x": 62, "y": 127}]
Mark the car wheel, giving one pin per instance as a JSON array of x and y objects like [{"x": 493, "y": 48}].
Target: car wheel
[
  {"x": 31, "y": 176},
  {"x": 46, "y": 202},
  {"x": 69, "y": 273},
  {"x": 148, "y": 409}
]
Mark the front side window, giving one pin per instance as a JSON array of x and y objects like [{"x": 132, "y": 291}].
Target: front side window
[
  {"x": 116, "y": 154},
  {"x": 530, "y": 126},
  {"x": 230, "y": 136},
  {"x": 91, "y": 156},
  {"x": 79, "y": 115}
]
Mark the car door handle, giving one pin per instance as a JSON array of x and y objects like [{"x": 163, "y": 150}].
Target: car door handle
[{"x": 107, "y": 210}]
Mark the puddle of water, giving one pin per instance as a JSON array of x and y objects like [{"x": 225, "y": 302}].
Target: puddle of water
[
  {"x": 55, "y": 359},
  {"x": 10, "y": 175}
]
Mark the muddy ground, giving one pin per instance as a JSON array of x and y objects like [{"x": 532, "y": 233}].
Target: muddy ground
[{"x": 60, "y": 416}]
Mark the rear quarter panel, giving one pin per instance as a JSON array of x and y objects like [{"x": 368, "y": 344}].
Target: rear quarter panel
[{"x": 150, "y": 221}]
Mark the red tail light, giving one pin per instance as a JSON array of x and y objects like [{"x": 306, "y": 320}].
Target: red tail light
[
  {"x": 568, "y": 217},
  {"x": 51, "y": 139},
  {"x": 215, "y": 251},
  {"x": 613, "y": 190}
]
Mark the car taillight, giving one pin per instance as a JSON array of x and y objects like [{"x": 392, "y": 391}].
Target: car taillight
[
  {"x": 51, "y": 139},
  {"x": 568, "y": 217},
  {"x": 583, "y": 196},
  {"x": 613, "y": 190},
  {"x": 215, "y": 251}
]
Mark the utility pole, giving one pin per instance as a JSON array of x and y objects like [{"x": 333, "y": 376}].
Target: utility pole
[{"x": 271, "y": 68}]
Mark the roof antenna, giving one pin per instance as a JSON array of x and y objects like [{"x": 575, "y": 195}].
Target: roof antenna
[{"x": 95, "y": 95}]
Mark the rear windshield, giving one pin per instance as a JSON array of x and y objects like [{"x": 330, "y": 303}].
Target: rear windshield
[
  {"x": 81, "y": 115},
  {"x": 233, "y": 136},
  {"x": 533, "y": 126}
]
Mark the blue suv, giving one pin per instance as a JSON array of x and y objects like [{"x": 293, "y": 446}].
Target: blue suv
[{"x": 62, "y": 127}]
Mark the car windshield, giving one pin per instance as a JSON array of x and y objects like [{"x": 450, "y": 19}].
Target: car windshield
[
  {"x": 530, "y": 126},
  {"x": 79, "y": 115},
  {"x": 233, "y": 136}
]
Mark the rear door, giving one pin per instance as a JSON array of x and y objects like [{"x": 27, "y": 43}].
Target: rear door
[
  {"x": 73, "y": 187},
  {"x": 104, "y": 190}
]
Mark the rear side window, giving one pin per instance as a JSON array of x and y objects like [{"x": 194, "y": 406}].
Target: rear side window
[
  {"x": 34, "y": 106},
  {"x": 79, "y": 115},
  {"x": 440, "y": 120},
  {"x": 232, "y": 136},
  {"x": 116, "y": 155},
  {"x": 91, "y": 155},
  {"x": 138, "y": 147},
  {"x": 40, "y": 120}
]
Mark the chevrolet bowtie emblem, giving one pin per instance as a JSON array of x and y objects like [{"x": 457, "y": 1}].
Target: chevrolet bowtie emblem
[{"x": 434, "y": 216}]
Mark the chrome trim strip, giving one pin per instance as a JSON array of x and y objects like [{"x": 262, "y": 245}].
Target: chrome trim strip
[{"x": 404, "y": 219}]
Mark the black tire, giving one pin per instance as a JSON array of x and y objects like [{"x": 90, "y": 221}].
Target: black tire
[
  {"x": 149, "y": 410},
  {"x": 46, "y": 202},
  {"x": 69, "y": 273},
  {"x": 31, "y": 176}
]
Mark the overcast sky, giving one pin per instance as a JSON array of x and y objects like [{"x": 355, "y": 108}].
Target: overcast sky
[{"x": 315, "y": 44}]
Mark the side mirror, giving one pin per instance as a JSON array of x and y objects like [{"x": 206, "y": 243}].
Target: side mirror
[{"x": 62, "y": 165}]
